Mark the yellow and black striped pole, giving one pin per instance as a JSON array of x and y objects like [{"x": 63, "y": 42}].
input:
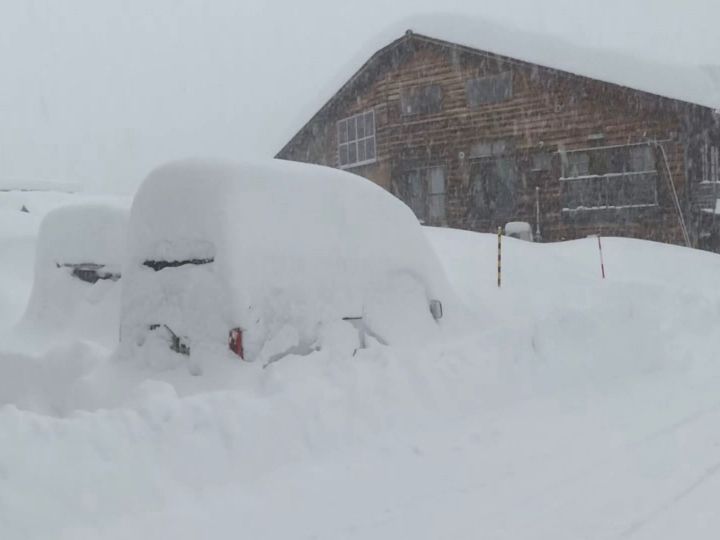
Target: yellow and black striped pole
[{"x": 499, "y": 257}]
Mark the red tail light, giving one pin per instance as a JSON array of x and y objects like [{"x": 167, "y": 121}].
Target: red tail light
[{"x": 235, "y": 342}]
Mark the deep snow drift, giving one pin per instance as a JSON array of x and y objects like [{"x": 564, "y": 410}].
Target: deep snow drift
[{"x": 574, "y": 408}]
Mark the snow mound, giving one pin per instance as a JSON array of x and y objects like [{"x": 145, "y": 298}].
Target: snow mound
[
  {"x": 276, "y": 249},
  {"x": 10, "y": 184},
  {"x": 576, "y": 396},
  {"x": 77, "y": 265}
]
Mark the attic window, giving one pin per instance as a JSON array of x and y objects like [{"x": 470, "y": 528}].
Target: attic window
[
  {"x": 426, "y": 99},
  {"x": 356, "y": 140},
  {"x": 487, "y": 90}
]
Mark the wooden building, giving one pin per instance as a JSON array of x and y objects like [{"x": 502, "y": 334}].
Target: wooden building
[{"x": 473, "y": 140}]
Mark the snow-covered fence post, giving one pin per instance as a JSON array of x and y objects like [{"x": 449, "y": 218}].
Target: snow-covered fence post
[
  {"x": 499, "y": 260},
  {"x": 602, "y": 262}
]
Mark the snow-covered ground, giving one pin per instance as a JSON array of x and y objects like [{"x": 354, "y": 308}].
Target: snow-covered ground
[{"x": 573, "y": 407}]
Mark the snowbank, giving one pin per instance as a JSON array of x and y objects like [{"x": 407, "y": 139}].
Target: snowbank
[
  {"x": 79, "y": 253},
  {"x": 8, "y": 184},
  {"x": 579, "y": 405},
  {"x": 277, "y": 249}
]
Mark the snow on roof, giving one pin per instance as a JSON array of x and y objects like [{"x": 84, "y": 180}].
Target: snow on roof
[
  {"x": 14, "y": 184},
  {"x": 82, "y": 233},
  {"x": 699, "y": 84},
  {"x": 693, "y": 84}
]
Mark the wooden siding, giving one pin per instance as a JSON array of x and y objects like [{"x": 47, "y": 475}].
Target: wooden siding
[{"x": 549, "y": 112}]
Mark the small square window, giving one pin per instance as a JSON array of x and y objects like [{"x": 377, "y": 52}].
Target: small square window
[
  {"x": 541, "y": 161},
  {"x": 584, "y": 193},
  {"x": 578, "y": 164},
  {"x": 490, "y": 89},
  {"x": 421, "y": 100},
  {"x": 642, "y": 159}
]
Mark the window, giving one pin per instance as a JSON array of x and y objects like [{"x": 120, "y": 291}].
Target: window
[
  {"x": 421, "y": 100},
  {"x": 487, "y": 90},
  {"x": 710, "y": 164},
  {"x": 436, "y": 194},
  {"x": 609, "y": 177},
  {"x": 489, "y": 148},
  {"x": 609, "y": 160},
  {"x": 356, "y": 140},
  {"x": 583, "y": 193},
  {"x": 541, "y": 161},
  {"x": 642, "y": 158},
  {"x": 423, "y": 190},
  {"x": 578, "y": 164}
]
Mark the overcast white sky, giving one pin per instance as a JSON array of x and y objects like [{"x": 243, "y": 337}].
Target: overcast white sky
[{"x": 101, "y": 91}]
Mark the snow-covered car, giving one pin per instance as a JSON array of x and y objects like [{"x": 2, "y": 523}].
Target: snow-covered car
[
  {"x": 520, "y": 230},
  {"x": 79, "y": 254},
  {"x": 257, "y": 259}
]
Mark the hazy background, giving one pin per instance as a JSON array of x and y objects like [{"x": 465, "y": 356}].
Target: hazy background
[{"x": 100, "y": 91}]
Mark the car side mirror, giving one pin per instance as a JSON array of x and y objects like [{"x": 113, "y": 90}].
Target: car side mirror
[{"x": 436, "y": 309}]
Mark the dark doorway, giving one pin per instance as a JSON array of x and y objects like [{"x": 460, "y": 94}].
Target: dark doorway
[
  {"x": 423, "y": 190},
  {"x": 493, "y": 184}
]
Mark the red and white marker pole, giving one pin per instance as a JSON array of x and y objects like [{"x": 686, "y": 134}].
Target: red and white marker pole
[{"x": 602, "y": 262}]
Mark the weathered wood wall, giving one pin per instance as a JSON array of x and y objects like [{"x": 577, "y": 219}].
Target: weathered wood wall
[{"x": 550, "y": 112}]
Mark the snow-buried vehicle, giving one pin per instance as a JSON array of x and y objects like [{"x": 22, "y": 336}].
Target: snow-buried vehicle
[
  {"x": 80, "y": 251},
  {"x": 260, "y": 259}
]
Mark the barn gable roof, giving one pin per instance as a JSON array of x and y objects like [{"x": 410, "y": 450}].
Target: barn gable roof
[{"x": 695, "y": 85}]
